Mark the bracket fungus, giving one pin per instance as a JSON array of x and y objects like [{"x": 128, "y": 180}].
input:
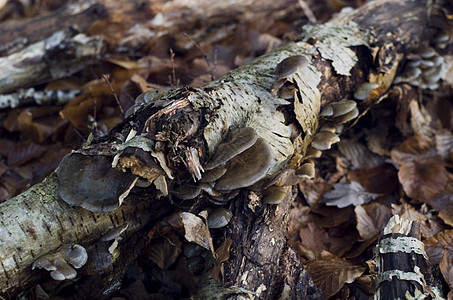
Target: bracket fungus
[
  {"x": 239, "y": 162},
  {"x": 239, "y": 141},
  {"x": 274, "y": 194},
  {"x": 324, "y": 140},
  {"x": 247, "y": 168},
  {"x": 92, "y": 183},
  {"x": 286, "y": 68},
  {"x": 425, "y": 69},
  {"x": 363, "y": 91},
  {"x": 219, "y": 218},
  {"x": 61, "y": 264}
]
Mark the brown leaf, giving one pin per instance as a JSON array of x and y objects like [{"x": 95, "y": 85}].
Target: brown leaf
[
  {"x": 422, "y": 179},
  {"x": 446, "y": 266},
  {"x": 222, "y": 255},
  {"x": 380, "y": 180},
  {"x": 412, "y": 148},
  {"x": 437, "y": 243},
  {"x": 23, "y": 152},
  {"x": 314, "y": 238},
  {"x": 331, "y": 274},
  {"x": 371, "y": 219},
  {"x": 196, "y": 230},
  {"x": 444, "y": 205},
  {"x": 165, "y": 251}
]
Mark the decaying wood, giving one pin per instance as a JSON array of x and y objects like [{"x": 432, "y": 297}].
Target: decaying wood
[
  {"x": 403, "y": 268},
  {"x": 189, "y": 118}
]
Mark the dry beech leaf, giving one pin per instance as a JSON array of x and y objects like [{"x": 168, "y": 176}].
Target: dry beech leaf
[
  {"x": 437, "y": 243},
  {"x": 345, "y": 194},
  {"x": 196, "y": 230},
  {"x": 380, "y": 180},
  {"x": 330, "y": 275},
  {"x": 422, "y": 179},
  {"x": 23, "y": 152},
  {"x": 444, "y": 205},
  {"x": 165, "y": 251},
  {"x": 314, "y": 238},
  {"x": 313, "y": 190},
  {"x": 359, "y": 156},
  {"x": 412, "y": 148},
  {"x": 371, "y": 219},
  {"x": 446, "y": 266},
  {"x": 222, "y": 255}
]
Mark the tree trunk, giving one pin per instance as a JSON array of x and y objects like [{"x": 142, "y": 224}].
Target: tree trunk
[{"x": 186, "y": 126}]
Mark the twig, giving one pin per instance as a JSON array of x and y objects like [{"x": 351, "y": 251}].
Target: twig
[
  {"x": 308, "y": 12},
  {"x": 173, "y": 81},
  {"x": 106, "y": 77},
  {"x": 204, "y": 55}
]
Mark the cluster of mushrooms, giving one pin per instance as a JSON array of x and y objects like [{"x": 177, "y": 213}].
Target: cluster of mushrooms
[
  {"x": 426, "y": 68},
  {"x": 240, "y": 161},
  {"x": 61, "y": 264}
]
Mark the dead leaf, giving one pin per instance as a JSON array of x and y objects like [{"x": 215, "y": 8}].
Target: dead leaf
[
  {"x": 412, "y": 148},
  {"x": 371, "y": 219},
  {"x": 331, "y": 274},
  {"x": 446, "y": 266},
  {"x": 437, "y": 243},
  {"x": 379, "y": 180},
  {"x": 345, "y": 194},
  {"x": 423, "y": 178},
  {"x": 222, "y": 255},
  {"x": 444, "y": 205},
  {"x": 23, "y": 152},
  {"x": 314, "y": 238},
  {"x": 165, "y": 251},
  {"x": 196, "y": 230},
  {"x": 359, "y": 156}
]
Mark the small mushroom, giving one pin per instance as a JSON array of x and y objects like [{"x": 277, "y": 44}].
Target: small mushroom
[
  {"x": 313, "y": 153},
  {"x": 363, "y": 91},
  {"x": 114, "y": 232},
  {"x": 428, "y": 52},
  {"x": 239, "y": 141},
  {"x": 307, "y": 170},
  {"x": 343, "y": 107},
  {"x": 186, "y": 192},
  {"x": 324, "y": 140},
  {"x": 224, "y": 198},
  {"x": 274, "y": 194},
  {"x": 290, "y": 65},
  {"x": 209, "y": 189},
  {"x": 328, "y": 128},
  {"x": 213, "y": 174},
  {"x": 92, "y": 183},
  {"x": 247, "y": 168},
  {"x": 59, "y": 263},
  {"x": 327, "y": 111},
  {"x": 219, "y": 218},
  {"x": 287, "y": 92},
  {"x": 347, "y": 117}
]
